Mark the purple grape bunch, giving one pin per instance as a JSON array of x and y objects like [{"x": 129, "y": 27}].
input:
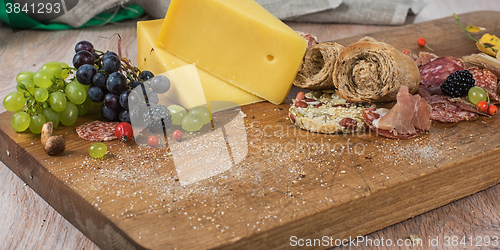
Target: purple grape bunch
[{"x": 110, "y": 80}]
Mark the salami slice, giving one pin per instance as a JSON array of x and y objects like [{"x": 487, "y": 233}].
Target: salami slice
[
  {"x": 97, "y": 131},
  {"x": 487, "y": 81},
  {"x": 436, "y": 71},
  {"x": 311, "y": 40},
  {"x": 446, "y": 111}
]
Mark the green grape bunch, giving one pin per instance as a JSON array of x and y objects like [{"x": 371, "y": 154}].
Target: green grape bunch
[
  {"x": 60, "y": 93},
  {"x": 38, "y": 96}
]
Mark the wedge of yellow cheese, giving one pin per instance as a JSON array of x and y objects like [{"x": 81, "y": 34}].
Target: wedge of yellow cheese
[
  {"x": 158, "y": 61},
  {"x": 236, "y": 40},
  {"x": 183, "y": 80}
]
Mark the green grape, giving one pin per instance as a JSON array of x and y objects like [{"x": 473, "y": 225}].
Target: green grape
[
  {"x": 202, "y": 112},
  {"x": 41, "y": 94},
  {"x": 178, "y": 113},
  {"x": 51, "y": 116},
  {"x": 25, "y": 75},
  {"x": 14, "y": 101},
  {"x": 65, "y": 70},
  {"x": 20, "y": 121},
  {"x": 84, "y": 107},
  {"x": 26, "y": 85},
  {"x": 57, "y": 101},
  {"x": 98, "y": 150},
  {"x": 36, "y": 123},
  {"x": 76, "y": 92},
  {"x": 68, "y": 116},
  {"x": 192, "y": 123},
  {"x": 477, "y": 94},
  {"x": 44, "y": 78},
  {"x": 54, "y": 67}
]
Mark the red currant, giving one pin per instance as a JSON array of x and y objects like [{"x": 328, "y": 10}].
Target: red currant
[
  {"x": 482, "y": 106},
  {"x": 124, "y": 131},
  {"x": 153, "y": 141},
  {"x": 492, "y": 110},
  {"x": 177, "y": 134},
  {"x": 421, "y": 42}
]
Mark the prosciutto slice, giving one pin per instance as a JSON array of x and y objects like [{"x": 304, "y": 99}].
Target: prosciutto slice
[
  {"x": 409, "y": 117},
  {"x": 424, "y": 58}
]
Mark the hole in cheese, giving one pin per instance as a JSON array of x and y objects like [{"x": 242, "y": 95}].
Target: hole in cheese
[{"x": 270, "y": 57}]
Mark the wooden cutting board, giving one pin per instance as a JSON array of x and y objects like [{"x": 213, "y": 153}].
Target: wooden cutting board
[{"x": 291, "y": 183}]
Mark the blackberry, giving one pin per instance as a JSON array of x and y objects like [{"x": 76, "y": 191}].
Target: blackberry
[
  {"x": 458, "y": 84},
  {"x": 157, "y": 118}
]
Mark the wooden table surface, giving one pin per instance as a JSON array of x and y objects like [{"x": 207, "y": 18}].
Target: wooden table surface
[{"x": 28, "y": 222}]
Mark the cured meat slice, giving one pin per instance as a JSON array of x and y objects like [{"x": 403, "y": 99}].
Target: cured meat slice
[
  {"x": 444, "y": 110},
  {"x": 409, "y": 117},
  {"x": 311, "y": 40},
  {"x": 371, "y": 117},
  {"x": 436, "y": 71},
  {"x": 97, "y": 131},
  {"x": 408, "y": 114},
  {"x": 424, "y": 58},
  {"x": 487, "y": 81},
  {"x": 484, "y": 61}
]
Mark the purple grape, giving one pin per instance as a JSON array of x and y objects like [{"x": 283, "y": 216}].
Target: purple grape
[
  {"x": 109, "y": 53},
  {"x": 134, "y": 99},
  {"x": 124, "y": 116},
  {"x": 152, "y": 97},
  {"x": 84, "y": 45},
  {"x": 111, "y": 101},
  {"x": 100, "y": 80},
  {"x": 83, "y": 57},
  {"x": 116, "y": 83},
  {"x": 146, "y": 75},
  {"x": 111, "y": 64},
  {"x": 108, "y": 114},
  {"x": 124, "y": 98},
  {"x": 85, "y": 74},
  {"x": 160, "y": 84},
  {"x": 96, "y": 93}
]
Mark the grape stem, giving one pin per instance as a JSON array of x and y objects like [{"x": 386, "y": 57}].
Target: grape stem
[{"x": 31, "y": 107}]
